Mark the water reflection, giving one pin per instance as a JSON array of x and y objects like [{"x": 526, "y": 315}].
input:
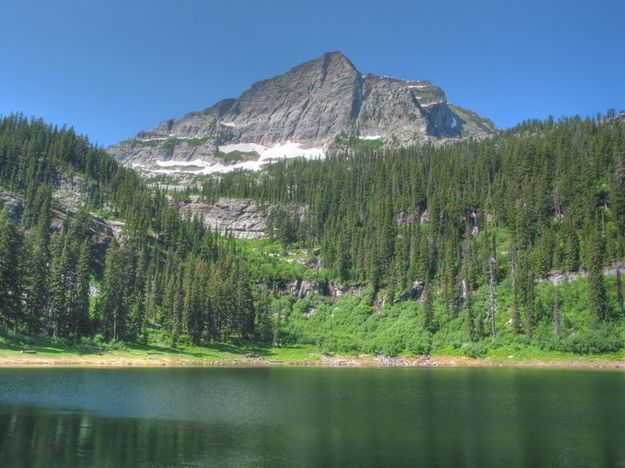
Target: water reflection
[{"x": 311, "y": 417}]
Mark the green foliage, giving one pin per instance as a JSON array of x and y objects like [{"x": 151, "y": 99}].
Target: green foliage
[
  {"x": 475, "y": 350},
  {"x": 360, "y": 144},
  {"x": 453, "y": 246},
  {"x": 593, "y": 341},
  {"x": 237, "y": 156},
  {"x": 170, "y": 142},
  {"x": 165, "y": 275},
  {"x": 352, "y": 325},
  {"x": 11, "y": 287},
  {"x": 270, "y": 262}
]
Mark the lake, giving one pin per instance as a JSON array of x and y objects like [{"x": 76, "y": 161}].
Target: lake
[{"x": 290, "y": 417}]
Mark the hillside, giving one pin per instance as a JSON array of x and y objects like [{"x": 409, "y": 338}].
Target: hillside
[{"x": 511, "y": 245}]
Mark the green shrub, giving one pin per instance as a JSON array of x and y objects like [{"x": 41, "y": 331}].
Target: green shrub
[
  {"x": 420, "y": 343},
  {"x": 475, "y": 349},
  {"x": 602, "y": 339}
]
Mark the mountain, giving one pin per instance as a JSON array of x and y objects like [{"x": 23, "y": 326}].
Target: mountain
[{"x": 307, "y": 111}]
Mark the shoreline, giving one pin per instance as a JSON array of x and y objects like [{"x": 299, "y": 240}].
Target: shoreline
[{"x": 15, "y": 360}]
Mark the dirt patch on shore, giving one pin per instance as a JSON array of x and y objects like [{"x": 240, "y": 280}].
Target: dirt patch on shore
[
  {"x": 35, "y": 360},
  {"x": 465, "y": 361}
]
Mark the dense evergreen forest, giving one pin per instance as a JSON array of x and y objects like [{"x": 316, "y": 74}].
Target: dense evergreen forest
[
  {"x": 164, "y": 274},
  {"x": 442, "y": 248}
]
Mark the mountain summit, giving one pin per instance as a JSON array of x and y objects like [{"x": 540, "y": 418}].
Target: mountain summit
[{"x": 302, "y": 113}]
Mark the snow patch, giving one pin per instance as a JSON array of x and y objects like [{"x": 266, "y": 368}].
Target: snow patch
[
  {"x": 170, "y": 171},
  {"x": 148, "y": 140},
  {"x": 267, "y": 155},
  {"x": 175, "y": 137},
  {"x": 371, "y": 137},
  {"x": 454, "y": 122},
  {"x": 242, "y": 147},
  {"x": 292, "y": 150},
  {"x": 196, "y": 162},
  {"x": 286, "y": 150},
  {"x": 228, "y": 124},
  {"x": 222, "y": 168}
]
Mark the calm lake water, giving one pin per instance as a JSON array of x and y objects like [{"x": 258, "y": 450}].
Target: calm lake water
[{"x": 311, "y": 417}]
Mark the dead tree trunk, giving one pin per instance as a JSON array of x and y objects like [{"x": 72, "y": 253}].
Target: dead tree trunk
[
  {"x": 492, "y": 300},
  {"x": 619, "y": 288},
  {"x": 556, "y": 314},
  {"x": 516, "y": 315}
]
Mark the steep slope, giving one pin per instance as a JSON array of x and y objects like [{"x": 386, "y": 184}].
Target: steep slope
[{"x": 300, "y": 113}]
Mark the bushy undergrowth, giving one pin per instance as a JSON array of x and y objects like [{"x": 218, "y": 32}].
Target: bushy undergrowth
[{"x": 353, "y": 325}]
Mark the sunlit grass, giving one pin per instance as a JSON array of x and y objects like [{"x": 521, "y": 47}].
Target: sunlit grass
[{"x": 13, "y": 346}]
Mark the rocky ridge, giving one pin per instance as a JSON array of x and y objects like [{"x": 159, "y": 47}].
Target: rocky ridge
[{"x": 301, "y": 113}]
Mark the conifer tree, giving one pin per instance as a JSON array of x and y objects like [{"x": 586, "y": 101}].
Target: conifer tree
[
  {"x": 60, "y": 279},
  {"x": 556, "y": 313},
  {"x": 516, "y": 316},
  {"x": 428, "y": 308},
  {"x": 80, "y": 319},
  {"x": 594, "y": 263},
  {"x": 10, "y": 273},
  {"x": 37, "y": 275},
  {"x": 114, "y": 298}
]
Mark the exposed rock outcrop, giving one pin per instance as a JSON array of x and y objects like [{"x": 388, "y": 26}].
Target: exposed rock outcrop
[
  {"x": 13, "y": 205},
  {"x": 302, "y": 288},
  {"x": 558, "y": 277},
  {"x": 245, "y": 219},
  {"x": 242, "y": 218}
]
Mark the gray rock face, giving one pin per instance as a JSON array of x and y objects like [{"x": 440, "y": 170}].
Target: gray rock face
[
  {"x": 299, "y": 289},
  {"x": 102, "y": 230},
  {"x": 13, "y": 205},
  {"x": 409, "y": 110},
  {"x": 243, "y": 218},
  {"x": 558, "y": 277},
  {"x": 309, "y": 106}
]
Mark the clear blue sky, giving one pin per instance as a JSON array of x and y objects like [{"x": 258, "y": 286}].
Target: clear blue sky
[{"x": 111, "y": 68}]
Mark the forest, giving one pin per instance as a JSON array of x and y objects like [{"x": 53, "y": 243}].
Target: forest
[
  {"x": 507, "y": 243},
  {"x": 164, "y": 273}
]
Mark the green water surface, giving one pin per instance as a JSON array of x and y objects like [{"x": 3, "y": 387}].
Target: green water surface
[{"x": 290, "y": 417}]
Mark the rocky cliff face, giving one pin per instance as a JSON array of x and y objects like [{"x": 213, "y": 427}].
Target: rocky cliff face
[
  {"x": 244, "y": 219},
  {"x": 300, "y": 113},
  {"x": 65, "y": 207}
]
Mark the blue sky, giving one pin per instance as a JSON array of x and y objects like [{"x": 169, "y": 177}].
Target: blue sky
[{"x": 111, "y": 68}]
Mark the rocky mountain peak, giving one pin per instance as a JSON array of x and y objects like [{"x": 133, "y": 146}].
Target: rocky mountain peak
[
  {"x": 303, "y": 112},
  {"x": 330, "y": 60}
]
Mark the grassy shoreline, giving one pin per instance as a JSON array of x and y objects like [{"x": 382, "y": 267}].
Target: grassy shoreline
[{"x": 15, "y": 353}]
